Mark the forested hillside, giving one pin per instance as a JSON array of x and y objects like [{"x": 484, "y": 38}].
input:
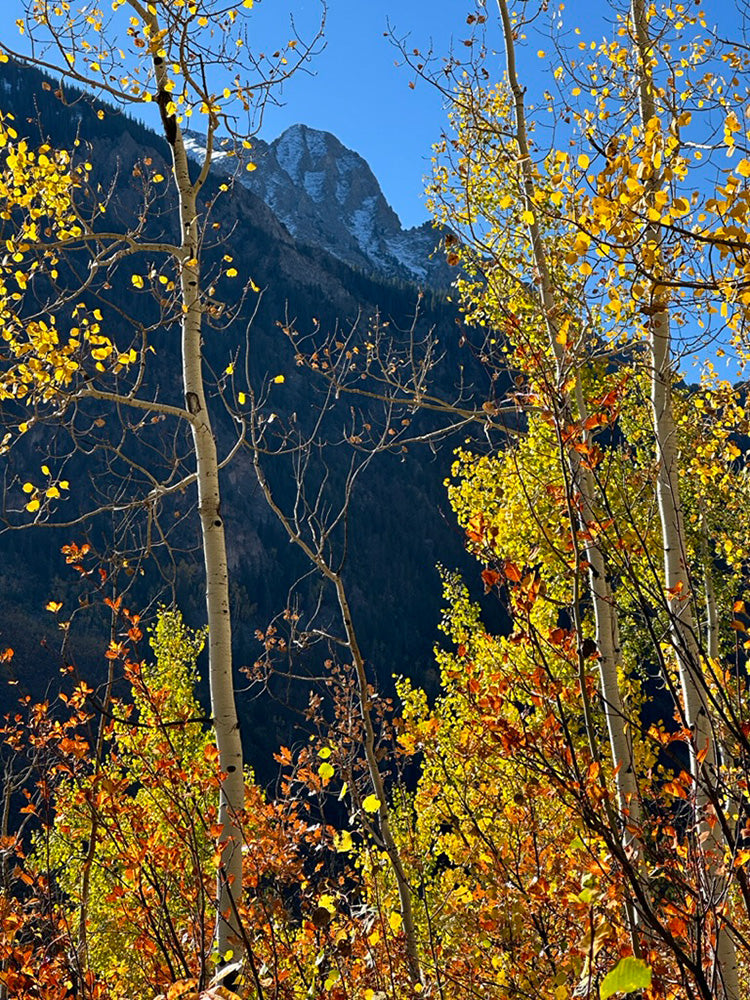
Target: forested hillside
[
  {"x": 227, "y": 452},
  {"x": 398, "y": 528}
]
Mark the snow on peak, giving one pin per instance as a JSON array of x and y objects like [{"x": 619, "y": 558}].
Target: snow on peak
[
  {"x": 300, "y": 147},
  {"x": 290, "y": 148},
  {"x": 317, "y": 142}
]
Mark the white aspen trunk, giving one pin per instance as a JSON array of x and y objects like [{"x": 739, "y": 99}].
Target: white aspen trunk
[
  {"x": 605, "y": 612},
  {"x": 683, "y": 628},
  {"x": 223, "y": 708},
  {"x": 712, "y": 614}
]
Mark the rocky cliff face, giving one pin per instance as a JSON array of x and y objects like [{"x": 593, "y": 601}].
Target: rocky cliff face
[{"x": 327, "y": 196}]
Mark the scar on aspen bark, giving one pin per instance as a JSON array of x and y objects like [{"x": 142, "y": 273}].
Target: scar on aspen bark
[
  {"x": 168, "y": 121},
  {"x": 193, "y": 403}
]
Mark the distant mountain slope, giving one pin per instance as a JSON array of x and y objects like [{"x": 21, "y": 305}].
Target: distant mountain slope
[
  {"x": 399, "y": 527},
  {"x": 326, "y": 195}
]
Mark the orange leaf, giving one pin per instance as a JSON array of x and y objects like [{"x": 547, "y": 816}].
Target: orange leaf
[{"x": 512, "y": 572}]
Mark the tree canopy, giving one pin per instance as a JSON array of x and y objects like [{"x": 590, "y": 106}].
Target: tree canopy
[{"x": 568, "y": 818}]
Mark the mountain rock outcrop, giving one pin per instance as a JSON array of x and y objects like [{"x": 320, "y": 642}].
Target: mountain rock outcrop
[{"x": 327, "y": 196}]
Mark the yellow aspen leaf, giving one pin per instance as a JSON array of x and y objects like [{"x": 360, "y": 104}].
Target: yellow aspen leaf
[
  {"x": 583, "y": 161},
  {"x": 241, "y": 398},
  {"x": 32, "y": 505},
  {"x": 371, "y": 804},
  {"x": 28, "y": 487},
  {"x": 743, "y": 168},
  {"x": 326, "y": 771},
  {"x": 279, "y": 379},
  {"x": 251, "y": 166},
  {"x": 232, "y": 272},
  {"x": 395, "y": 921},
  {"x": 53, "y": 493},
  {"x": 45, "y": 470},
  {"x": 64, "y": 484},
  {"x": 137, "y": 280},
  {"x": 229, "y": 370},
  {"x": 527, "y": 217},
  {"x": 53, "y": 606},
  {"x": 324, "y": 753},
  {"x": 343, "y": 842}
]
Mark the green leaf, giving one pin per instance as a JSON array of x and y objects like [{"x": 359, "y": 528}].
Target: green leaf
[{"x": 628, "y": 975}]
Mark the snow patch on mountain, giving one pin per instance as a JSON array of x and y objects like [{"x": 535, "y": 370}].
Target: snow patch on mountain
[
  {"x": 195, "y": 146},
  {"x": 290, "y": 148},
  {"x": 362, "y": 225},
  {"x": 411, "y": 257},
  {"x": 313, "y": 183}
]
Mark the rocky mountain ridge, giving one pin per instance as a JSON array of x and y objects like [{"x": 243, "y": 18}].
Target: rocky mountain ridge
[{"x": 327, "y": 196}]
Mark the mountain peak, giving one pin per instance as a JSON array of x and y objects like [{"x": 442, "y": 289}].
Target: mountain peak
[{"x": 326, "y": 195}]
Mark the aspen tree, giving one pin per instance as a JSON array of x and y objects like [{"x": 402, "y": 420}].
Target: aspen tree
[
  {"x": 704, "y": 750},
  {"x": 586, "y": 261},
  {"x": 160, "y": 54}
]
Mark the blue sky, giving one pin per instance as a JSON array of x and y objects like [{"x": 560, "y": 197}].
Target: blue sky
[
  {"x": 361, "y": 95},
  {"x": 355, "y": 89}
]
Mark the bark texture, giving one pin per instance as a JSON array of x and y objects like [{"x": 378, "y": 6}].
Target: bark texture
[
  {"x": 677, "y": 583},
  {"x": 223, "y": 708}
]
